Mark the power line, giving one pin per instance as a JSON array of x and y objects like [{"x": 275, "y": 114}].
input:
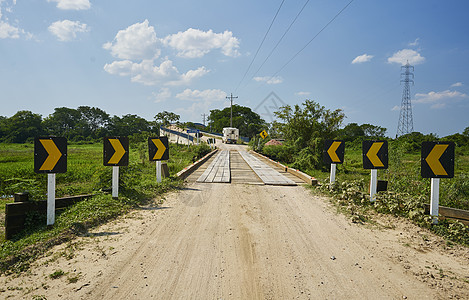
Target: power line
[
  {"x": 280, "y": 40},
  {"x": 259, "y": 48},
  {"x": 314, "y": 37}
]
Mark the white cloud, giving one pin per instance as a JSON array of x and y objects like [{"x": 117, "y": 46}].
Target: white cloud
[
  {"x": 194, "y": 43},
  {"x": 67, "y": 30},
  {"x": 302, "y": 94},
  {"x": 362, "y": 58},
  {"x": 8, "y": 31},
  {"x": 202, "y": 101},
  {"x": 189, "y": 76},
  {"x": 439, "y": 99},
  {"x": 269, "y": 80},
  {"x": 163, "y": 95},
  {"x": 149, "y": 74},
  {"x": 414, "y": 43},
  {"x": 205, "y": 95},
  {"x": 457, "y": 84},
  {"x": 72, "y": 4},
  {"x": 136, "y": 42},
  {"x": 406, "y": 55}
]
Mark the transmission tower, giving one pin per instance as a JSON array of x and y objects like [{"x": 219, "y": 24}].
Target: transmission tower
[
  {"x": 203, "y": 118},
  {"x": 406, "y": 123}
]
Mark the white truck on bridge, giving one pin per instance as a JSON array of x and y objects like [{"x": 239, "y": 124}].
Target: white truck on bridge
[{"x": 230, "y": 135}]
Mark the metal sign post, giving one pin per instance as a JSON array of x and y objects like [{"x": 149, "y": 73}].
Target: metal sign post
[
  {"x": 375, "y": 156},
  {"x": 115, "y": 154},
  {"x": 50, "y": 156},
  {"x": 436, "y": 161},
  {"x": 158, "y": 150},
  {"x": 51, "y": 199},
  {"x": 158, "y": 171},
  {"x": 333, "y": 154},
  {"x": 434, "y": 199},
  {"x": 115, "y": 181},
  {"x": 332, "y": 177},
  {"x": 373, "y": 184}
]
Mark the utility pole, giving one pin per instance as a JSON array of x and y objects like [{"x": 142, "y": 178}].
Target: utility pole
[
  {"x": 406, "y": 123},
  {"x": 231, "y": 107},
  {"x": 203, "y": 119}
]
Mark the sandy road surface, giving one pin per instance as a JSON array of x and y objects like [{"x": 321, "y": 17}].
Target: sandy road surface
[{"x": 247, "y": 241}]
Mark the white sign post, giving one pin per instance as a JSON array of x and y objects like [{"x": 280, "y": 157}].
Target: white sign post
[
  {"x": 373, "y": 184},
  {"x": 115, "y": 181},
  {"x": 332, "y": 177},
  {"x": 158, "y": 171},
  {"x": 51, "y": 199},
  {"x": 434, "y": 199}
]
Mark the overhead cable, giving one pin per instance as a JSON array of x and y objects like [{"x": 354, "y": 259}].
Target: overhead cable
[
  {"x": 249, "y": 67},
  {"x": 323, "y": 28},
  {"x": 280, "y": 40}
]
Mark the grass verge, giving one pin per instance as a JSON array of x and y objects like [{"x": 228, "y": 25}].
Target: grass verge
[{"x": 138, "y": 187}]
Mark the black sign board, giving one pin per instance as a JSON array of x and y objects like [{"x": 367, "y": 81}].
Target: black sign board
[
  {"x": 116, "y": 151},
  {"x": 375, "y": 154},
  {"x": 50, "y": 155},
  {"x": 334, "y": 151},
  {"x": 437, "y": 160},
  {"x": 158, "y": 148}
]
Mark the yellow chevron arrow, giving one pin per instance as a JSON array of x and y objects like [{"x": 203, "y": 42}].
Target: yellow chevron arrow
[
  {"x": 161, "y": 148},
  {"x": 332, "y": 152},
  {"x": 119, "y": 151},
  {"x": 372, "y": 154},
  {"x": 433, "y": 159},
  {"x": 54, "y": 155}
]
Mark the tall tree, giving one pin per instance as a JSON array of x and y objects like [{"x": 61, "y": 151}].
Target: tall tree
[
  {"x": 22, "y": 126},
  {"x": 373, "y": 131},
  {"x": 128, "y": 125},
  {"x": 305, "y": 129},
  {"x": 63, "y": 122},
  {"x": 93, "y": 121},
  {"x": 165, "y": 118},
  {"x": 248, "y": 122}
]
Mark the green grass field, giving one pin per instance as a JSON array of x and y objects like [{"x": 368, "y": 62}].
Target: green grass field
[
  {"x": 85, "y": 174},
  {"x": 403, "y": 176},
  {"x": 403, "y": 173}
]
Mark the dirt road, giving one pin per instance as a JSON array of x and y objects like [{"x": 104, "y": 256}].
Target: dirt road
[{"x": 248, "y": 241}]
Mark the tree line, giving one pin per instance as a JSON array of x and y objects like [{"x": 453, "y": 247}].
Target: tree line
[
  {"x": 91, "y": 123},
  {"x": 304, "y": 129},
  {"x": 81, "y": 124}
]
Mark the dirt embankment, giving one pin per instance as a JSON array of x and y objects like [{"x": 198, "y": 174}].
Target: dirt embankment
[{"x": 238, "y": 241}]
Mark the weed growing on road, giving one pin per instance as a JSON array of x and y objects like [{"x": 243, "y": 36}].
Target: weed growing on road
[{"x": 57, "y": 274}]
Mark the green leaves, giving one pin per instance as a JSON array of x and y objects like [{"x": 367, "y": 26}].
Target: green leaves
[
  {"x": 248, "y": 122},
  {"x": 305, "y": 128}
]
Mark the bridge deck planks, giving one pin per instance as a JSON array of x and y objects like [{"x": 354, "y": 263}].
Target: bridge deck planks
[
  {"x": 267, "y": 174},
  {"x": 218, "y": 170}
]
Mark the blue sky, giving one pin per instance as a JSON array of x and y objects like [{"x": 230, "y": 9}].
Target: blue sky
[{"x": 143, "y": 57}]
